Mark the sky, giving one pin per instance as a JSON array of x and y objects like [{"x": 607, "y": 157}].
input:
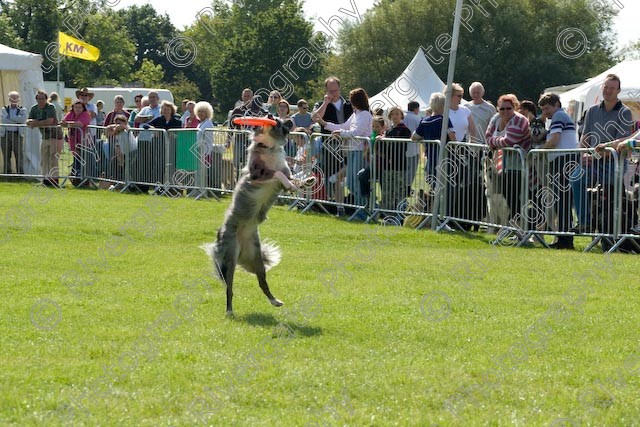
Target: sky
[{"x": 626, "y": 24}]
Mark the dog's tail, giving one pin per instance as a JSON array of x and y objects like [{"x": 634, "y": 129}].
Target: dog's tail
[
  {"x": 210, "y": 249},
  {"x": 271, "y": 254}
]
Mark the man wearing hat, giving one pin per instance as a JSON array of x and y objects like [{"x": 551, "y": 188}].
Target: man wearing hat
[
  {"x": 11, "y": 136},
  {"x": 85, "y": 96}
]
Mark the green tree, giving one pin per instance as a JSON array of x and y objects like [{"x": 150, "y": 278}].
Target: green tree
[
  {"x": 151, "y": 34},
  {"x": 35, "y": 23},
  {"x": 263, "y": 44},
  {"x": 8, "y": 36},
  {"x": 632, "y": 51},
  {"x": 149, "y": 74},
  {"x": 520, "y": 47},
  {"x": 106, "y": 30},
  {"x": 183, "y": 88}
]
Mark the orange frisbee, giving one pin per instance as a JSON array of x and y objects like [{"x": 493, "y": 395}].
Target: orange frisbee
[{"x": 254, "y": 121}]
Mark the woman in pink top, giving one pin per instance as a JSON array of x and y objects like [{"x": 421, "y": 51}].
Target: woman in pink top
[{"x": 77, "y": 121}]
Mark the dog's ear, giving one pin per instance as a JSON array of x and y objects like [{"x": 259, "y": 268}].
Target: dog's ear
[{"x": 287, "y": 125}]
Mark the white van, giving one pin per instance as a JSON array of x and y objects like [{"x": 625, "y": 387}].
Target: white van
[{"x": 106, "y": 94}]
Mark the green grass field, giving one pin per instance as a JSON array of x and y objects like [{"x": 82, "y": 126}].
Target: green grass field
[{"x": 110, "y": 316}]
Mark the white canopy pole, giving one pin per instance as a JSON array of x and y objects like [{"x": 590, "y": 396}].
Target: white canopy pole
[{"x": 445, "y": 119}]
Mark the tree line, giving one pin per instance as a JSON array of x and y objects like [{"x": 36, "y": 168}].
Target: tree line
[{"x": 269, "y": 44}]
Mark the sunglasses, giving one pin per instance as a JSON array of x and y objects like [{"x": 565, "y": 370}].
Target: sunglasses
[{"x": 505, "y": 108}]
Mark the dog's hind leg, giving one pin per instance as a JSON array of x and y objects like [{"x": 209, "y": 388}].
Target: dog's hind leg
[
  {"x": 261, "y": 273},
  {"x": 226, "y": 260}
]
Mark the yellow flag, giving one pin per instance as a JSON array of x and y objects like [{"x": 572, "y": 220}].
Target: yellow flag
[{"x": 70, "y": 46}]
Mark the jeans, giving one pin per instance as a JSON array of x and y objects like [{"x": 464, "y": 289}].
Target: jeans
[
  {"x": 355, "y": 161},
  {"x": 584, "y": 177}
]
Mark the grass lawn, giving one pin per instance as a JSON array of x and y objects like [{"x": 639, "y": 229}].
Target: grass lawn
[{"x": 110, "y": 316}]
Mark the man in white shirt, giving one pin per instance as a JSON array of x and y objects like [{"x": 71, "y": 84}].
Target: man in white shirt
[
  {"x": 11, "y": 136},
  {"x": 151, "y": 111},
  {"x": 482, "y": 111}
]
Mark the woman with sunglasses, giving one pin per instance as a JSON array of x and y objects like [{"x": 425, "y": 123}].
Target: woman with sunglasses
[
  {"x": 272, "y": 103},
  {"x": 509, "y": 128}
]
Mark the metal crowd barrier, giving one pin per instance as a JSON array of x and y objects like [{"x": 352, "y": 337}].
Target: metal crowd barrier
[
  {"x": 399, "y": 190},
  {"x": 479, "y": 187},
  {"x": 517, "y": 195},
  {"x": 303, "y": 165},
  {"x": 572, "y": 192},
  {"x": 337, "y": 161},
  {"x": 33, "y": 153},
  {"x": 630, "y": 187}
]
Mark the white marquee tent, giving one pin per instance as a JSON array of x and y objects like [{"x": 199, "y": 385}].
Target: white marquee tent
[
  {"x": 20, "y": 71},
  {"x": 590, "y": 93},
  {"x": 416, "y": 83}
]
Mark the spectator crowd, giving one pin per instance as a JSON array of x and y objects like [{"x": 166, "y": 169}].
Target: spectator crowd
[{"x": 361, "y": 153}]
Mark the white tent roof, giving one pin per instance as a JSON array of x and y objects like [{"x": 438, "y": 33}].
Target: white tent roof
[
  {"x": 416, "y": 83},
  {"x": 590, "y": 92},
  {"x": 20, "y": 71},
  {"x": 14, "y": 59}
]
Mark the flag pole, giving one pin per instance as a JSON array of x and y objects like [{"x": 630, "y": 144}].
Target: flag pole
[
  {"x": 442, "y": 184},
  {"x": 58, "y": 73}
]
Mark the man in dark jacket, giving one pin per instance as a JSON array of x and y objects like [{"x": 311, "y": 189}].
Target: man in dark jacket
[{"x": 334, "y": 109}]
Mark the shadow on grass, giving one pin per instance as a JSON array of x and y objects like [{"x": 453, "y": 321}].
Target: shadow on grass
[{"x": 269, "y": 320}]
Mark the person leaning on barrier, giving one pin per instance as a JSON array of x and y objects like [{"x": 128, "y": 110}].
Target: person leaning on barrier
[
  {"x": 508, "y": 128},
  {"x": 607, "y": 121},
  {"x": 212, "y": 152},
  {"x": 77, "y": 121},
  {"x": 335, "y": 109},
  {"x": 245, "y": 98},
  {"x": 562, "y": 135},
  {"x": 11, "y": 136},
  {"x": 123, "y": 143},
  {"x": 358, "y": 124},
  {"x": 151, "y": 152},
  {"x": 151, "y": 111},
  {"x": 43, "y": 116},
  {"x": 118, "y": 110},
  {"x": 430, "y": 128}
]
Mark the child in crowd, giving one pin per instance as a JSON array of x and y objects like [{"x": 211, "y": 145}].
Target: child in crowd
[
  {"x": 392, "y": 160},
  {"x": 378, "y": 127}
]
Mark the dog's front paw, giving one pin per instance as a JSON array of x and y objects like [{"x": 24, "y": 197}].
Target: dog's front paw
[{"x": 276, "y": 302}]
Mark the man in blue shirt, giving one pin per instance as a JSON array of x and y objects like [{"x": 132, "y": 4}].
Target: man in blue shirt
[{"x": 603, "y": 122}]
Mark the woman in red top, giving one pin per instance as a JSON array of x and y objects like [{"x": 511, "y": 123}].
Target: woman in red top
[
  {"x": 77, "y": 121},
  {"x": 192, "y": 121},
  {"x": 118, "y": 109}
]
